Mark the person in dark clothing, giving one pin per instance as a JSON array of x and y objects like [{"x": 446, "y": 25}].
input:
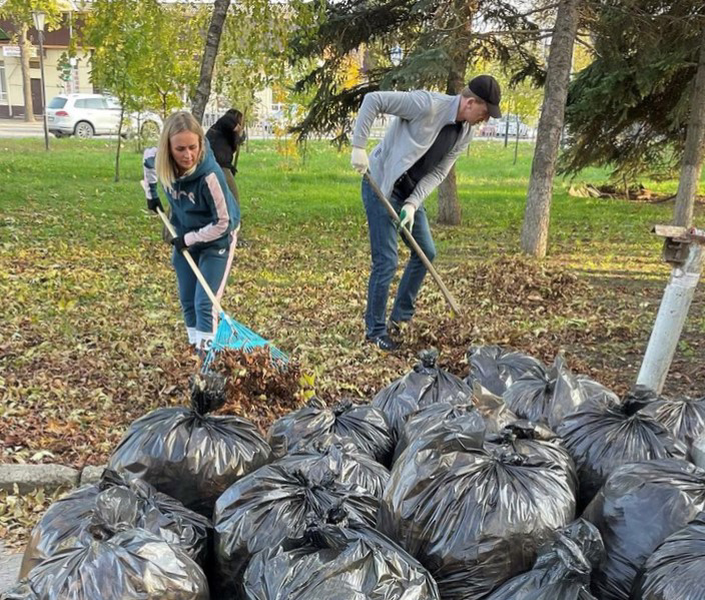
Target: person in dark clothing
[{"x": 224, "y": 136}]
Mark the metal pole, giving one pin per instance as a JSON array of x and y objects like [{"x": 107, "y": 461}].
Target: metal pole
[
  {"x": 44, "y": 96},
  {"x": 670, "y": 320}
]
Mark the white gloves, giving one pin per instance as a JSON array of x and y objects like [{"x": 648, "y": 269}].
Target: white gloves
[
  {"x": 406, "y": 216},
  {"x": 358, "y": 160}
]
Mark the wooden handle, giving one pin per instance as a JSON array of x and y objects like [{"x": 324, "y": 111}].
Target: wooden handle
[
  {"x": 414, "y": 245},
  {"x": 192, "y": 264}
]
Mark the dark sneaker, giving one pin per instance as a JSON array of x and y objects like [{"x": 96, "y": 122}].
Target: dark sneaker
[{"x": 384, "y": 342}]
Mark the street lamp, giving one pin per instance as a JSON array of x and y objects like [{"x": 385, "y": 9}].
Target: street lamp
[{"x": 38, "y": 17}]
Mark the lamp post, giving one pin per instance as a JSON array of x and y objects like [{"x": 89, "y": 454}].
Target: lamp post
[{"x": 38, "y": 17}]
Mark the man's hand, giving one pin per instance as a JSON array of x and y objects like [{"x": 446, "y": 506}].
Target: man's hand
[
  {"x": 406, "y": 217},
  {"x": 358, "y": 160},
  {"x": 179, "y": 243}
]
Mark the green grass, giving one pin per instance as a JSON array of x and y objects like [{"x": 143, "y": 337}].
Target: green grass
[
  {"x": 317, "y": 196},
  {"x": 91, "y": 318}
]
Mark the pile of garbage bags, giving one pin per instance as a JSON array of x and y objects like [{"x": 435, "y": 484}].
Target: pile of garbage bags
[{"x": 521, "y": 482}]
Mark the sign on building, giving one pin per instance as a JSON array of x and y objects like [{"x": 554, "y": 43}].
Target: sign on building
[{"x": 14, "y": 51}]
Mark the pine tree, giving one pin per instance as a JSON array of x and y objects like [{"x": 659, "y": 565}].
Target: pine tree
[{"x": 629, "y": 109}]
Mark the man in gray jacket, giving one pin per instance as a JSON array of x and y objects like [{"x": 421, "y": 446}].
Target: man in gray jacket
[{"x": 420, "y": 146}]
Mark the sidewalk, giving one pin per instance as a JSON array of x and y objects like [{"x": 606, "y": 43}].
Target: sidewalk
[
  {"x": 19, "y": 128},
  {"x": 9, "y": 567}
]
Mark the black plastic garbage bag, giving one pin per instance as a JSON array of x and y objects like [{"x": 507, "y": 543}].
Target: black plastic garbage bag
[
  {"x": 545, "y": 397},
  {"x": 562, "y": 569},
  {"x": 535, "y": 440},
  {"x": 474, "y": 517},
  {"x": 351, "y": 562},
  {"x": 365, "y": 425},
  {"x": 592, "y": 389},
  {"x": 271, "y": 505},
  {"x": 496, "y": 369},
  {"x": 125, "y": 565},
  {"x": 675, "y": 570},
  {"x": 493, "y": 409},
  {"x": 20, "y": 591},
  {"x": 426, "y": 384},
  {"x": 190, "y": 455},
  {"x": 603, "y": 434},
  {"x": 683, "y": 417},
  {"x": 121, "y": 504},
  {"x": 462, "y": 418},
  {"x": 639, "y": 506},
  {"x": 343, "y": 458}
]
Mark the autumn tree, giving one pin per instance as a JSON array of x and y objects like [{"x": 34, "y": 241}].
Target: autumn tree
[
  {"x": 210, "y": 52},
  {"x": 534, "y": 233},
  {"x": 121, "y": 32},
  {"x": 19, "y": 12}
]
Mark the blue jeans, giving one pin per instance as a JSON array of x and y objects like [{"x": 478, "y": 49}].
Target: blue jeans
[
  {"x": 384, "y": 248},
  {"x": 214, "y": 263}
]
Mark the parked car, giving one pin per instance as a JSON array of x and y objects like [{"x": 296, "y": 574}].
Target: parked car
[{"x": 86, "y": 115}]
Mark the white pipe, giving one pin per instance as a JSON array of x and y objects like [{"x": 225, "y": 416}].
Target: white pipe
[{"x": 670, "y": 320}]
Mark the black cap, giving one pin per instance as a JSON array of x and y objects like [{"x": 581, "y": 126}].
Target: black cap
[{"x": 486, "y": 88}]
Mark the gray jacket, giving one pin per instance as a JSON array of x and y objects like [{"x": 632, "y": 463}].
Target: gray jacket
[{"x": 421, "y": 116}]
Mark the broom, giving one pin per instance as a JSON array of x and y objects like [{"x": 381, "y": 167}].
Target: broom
[{"x": 230, "y": 334}]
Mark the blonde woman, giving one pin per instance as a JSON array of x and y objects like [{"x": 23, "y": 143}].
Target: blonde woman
[{"x": 203, "y": 213}]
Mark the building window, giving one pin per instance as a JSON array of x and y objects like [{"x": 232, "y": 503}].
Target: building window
[
  {"x": 33, "y": 63},
  {"x": 3, "y": 83}
]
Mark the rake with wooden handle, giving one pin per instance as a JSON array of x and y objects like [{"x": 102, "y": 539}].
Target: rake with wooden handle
[
  {"x": 455, "y": 307},
  {"x": 230, "y": 333}
]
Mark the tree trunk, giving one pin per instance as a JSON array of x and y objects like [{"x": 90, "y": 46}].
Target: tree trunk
[
  {"x": 694, "y": 146},
  {"x": 25, "y": 50},
  {"x": 448, "y": 204},
  {"x": 203, "y": 91},
  {"x": 534, "y": 235},
  {"x": 119, "y": 140}
]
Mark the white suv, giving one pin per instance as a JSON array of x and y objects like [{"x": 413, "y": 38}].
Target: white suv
[{"x": 86, "y": 115}]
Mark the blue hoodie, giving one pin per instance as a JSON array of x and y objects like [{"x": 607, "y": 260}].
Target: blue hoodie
[{"x": 203, "y": 209}]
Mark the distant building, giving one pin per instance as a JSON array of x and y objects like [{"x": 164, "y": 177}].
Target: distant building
[{"x": 62, "y": 76}]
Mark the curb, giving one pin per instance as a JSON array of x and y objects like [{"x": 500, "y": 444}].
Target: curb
[{"x": 28, "y": 478}]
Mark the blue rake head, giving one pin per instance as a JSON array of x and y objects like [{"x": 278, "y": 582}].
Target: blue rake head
[{"x": 233, "y": 335}]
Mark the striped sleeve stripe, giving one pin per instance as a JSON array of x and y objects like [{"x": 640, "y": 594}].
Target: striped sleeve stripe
[{"x": 215, "y": 230}]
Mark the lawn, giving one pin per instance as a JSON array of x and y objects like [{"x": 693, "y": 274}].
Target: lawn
[{"x": 91, "y": 335}]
